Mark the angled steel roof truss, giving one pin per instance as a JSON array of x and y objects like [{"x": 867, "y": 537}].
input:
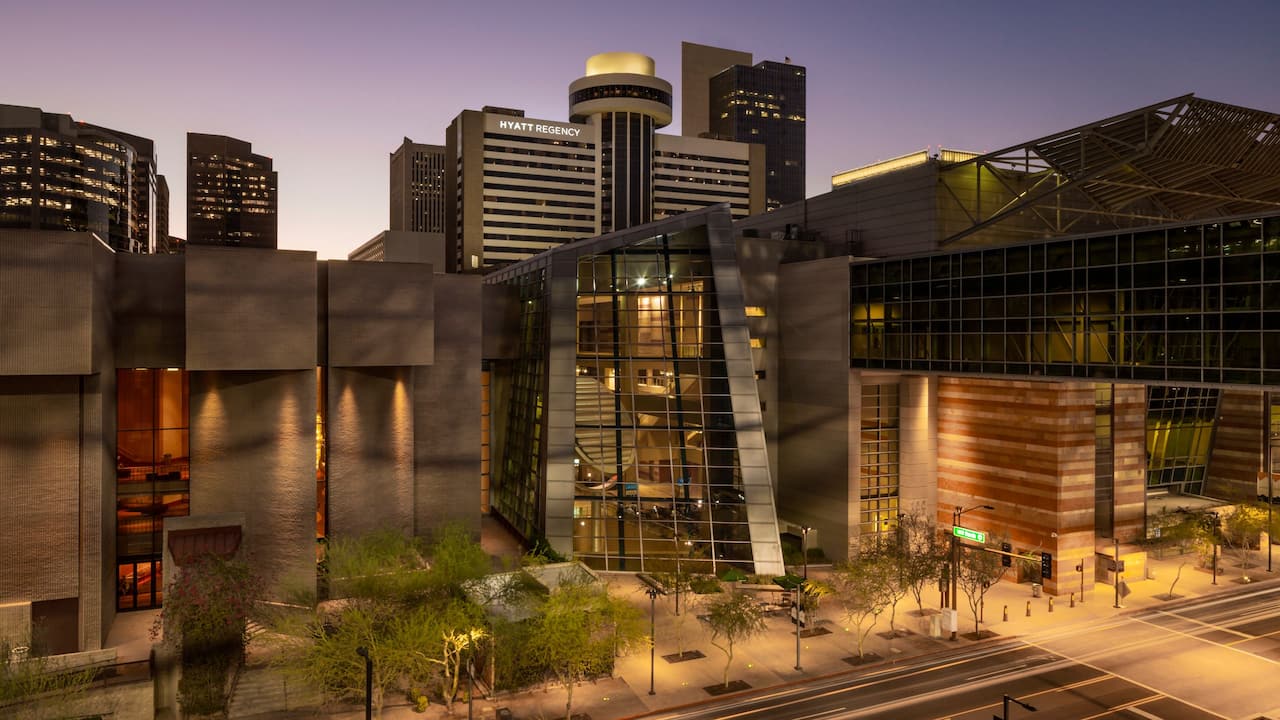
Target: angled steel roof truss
[{"x": 1179, "y": 160}]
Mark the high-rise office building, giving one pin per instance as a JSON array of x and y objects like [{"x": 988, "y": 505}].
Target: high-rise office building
[
  {"x": 59, "y": 174},
  {"x": 231, "y": 193},
  {"x": 765, "y": 103},
  {"x": 417, "y": 188},
  {"x": 698, "y": 64},
  {"x": 143, "y": 190},
  {"x": 517, "y": 186},
  {"x": 725, "y": 96},
  {"x": 162, "y": 215}
]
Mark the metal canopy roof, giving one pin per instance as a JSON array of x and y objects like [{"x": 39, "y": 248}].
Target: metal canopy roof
[{"x": 1182, "y": 159}]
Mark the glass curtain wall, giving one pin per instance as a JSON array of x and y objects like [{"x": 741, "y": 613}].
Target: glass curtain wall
[
  {"x": 517, "y": 440},
  {"x": 1199, "y": 303},
  {"x": 153, "y": 476},
  {"x": 658, "y": 479},
  {"x": 1180, "y": 426},
  {"x": 879, "y": 464}
]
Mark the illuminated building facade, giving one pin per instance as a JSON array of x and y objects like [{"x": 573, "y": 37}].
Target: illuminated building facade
[
  {"x": 1076, "y": 330},
  {"x": 59, "y": 174},
  {"x": 518, "y": 186},
  {"x": 136, "y": 389},
  {"x": 636, "y": 444},
  {"x": 231, "y": 193}
]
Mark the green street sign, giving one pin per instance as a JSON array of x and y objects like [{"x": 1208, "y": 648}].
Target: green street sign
[{"x": 975, "y": 535}]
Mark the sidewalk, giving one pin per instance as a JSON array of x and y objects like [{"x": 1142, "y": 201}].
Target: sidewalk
[{"x": 769, "y": 660}]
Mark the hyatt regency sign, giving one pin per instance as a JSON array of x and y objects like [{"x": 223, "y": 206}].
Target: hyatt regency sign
[{"x": 539, "y": 128}]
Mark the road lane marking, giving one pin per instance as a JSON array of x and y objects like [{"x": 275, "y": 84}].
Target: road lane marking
[
  {"x": 1201, "y": 623},
  {"x": 994, "y": 673},
  {"x": 1142, "y": 685},
  {"x": 821, "y": 714},
  {"x": 1226, "y": 646},
  {"x": 1144, "y": 713},
  {"x": 1126, "y": 706}
]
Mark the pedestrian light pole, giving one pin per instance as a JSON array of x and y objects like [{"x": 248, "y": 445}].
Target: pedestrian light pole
[
  {"x": 955, "y": 556},
  {"x": 798, "y": 611},
  {"x": 368, "y": 681},
  {"x": 804, "y": 551},
  {"x": 653, "y": 640}
]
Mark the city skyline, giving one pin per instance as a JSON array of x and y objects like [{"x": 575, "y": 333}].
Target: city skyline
[{"x": 882, "y": 80}]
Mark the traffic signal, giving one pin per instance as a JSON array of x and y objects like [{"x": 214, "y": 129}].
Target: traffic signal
[
  {"x": 1006, "y": 560},
  {"x": 1046, "y": 565}
]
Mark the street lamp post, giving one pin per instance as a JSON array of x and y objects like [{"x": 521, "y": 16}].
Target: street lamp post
[
  {"x": 955, "y": 557},
  {"x": 471, "y": 686},
  {"x": 653, "y": 639},
  {"x": 368, "y": 681},
  {"x": 798, "y": 611},
  {"x": 804, "y": 551},
  {"x": 1007, "y": 700}
]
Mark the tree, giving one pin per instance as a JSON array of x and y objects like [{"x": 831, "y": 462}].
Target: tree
[
  {"x": 895, "y": 551},
  {"x": 411, "y": 614},
  {"x": 923, "y": 556},
  {"x": 36, "y": 686},
  {"x": 1177, "y": 529},
  {"x": 978, "y": 571},
  {"x": 579, "y": 629},
  {"x": 865, "y": 587},
  {"x": 206, "y": 613},
  {"x": 456, "y": 559},
  {"x": 1242, "y": 530},
  {"x": 733, "y": 617},
  {"x": 436, "y": 641}
]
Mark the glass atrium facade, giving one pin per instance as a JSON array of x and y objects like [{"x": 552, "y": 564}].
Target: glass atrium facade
[
  {"x": 1197, "y": 303},
  {"x": 621, "y": 438}
]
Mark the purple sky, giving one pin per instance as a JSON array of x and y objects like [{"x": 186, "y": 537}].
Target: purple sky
[{"x": 329, "y": 89}]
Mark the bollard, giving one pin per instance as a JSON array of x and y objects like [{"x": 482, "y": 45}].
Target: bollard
[
  {"x": 1006, "y": 613},
  {"x": 1028, "y": 608},
  {"x": 1050, "y": 604},
  {"x": 1073, "y": 599}
]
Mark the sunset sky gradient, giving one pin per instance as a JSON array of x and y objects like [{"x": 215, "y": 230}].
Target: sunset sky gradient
[{"x": 329, "y": 89}]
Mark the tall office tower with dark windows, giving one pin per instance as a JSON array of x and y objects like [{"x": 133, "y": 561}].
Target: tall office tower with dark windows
[
  {"x": 231, "y": 193},
  {"x": 143, "y": 190},
  {"x": 59, "y": 174},
  {"x": 417, "y": 188},
  {"x": 765, "y": 103},
  {"x": 163, "y": 244},
  {"x": 698, "y": 64},
  {"x": 621, "y": 95}
]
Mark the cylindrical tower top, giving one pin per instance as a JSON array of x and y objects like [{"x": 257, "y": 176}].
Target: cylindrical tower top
[
  {"x": 620, "y": 82},
  {"x": 620, "y": 62}
]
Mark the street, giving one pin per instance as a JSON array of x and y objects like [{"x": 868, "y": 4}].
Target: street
[{"x": 1215, "y": 657}]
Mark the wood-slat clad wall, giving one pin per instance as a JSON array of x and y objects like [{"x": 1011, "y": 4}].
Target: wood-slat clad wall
[
  {"x": 1026, "y": 448},
  {"x": 1130, "y": 428},
  {"x": 1235, "y": 461}
]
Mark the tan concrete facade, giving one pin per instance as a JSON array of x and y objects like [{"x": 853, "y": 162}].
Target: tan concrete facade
[{"x": 256, "y": 330}]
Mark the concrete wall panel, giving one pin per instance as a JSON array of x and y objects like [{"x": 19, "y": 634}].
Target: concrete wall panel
[
  {"x": 46, "y": 302},
  {"x": 150, "y": 310},
  {"x": 446, "y": 413},
  {"x": 40, "y": 481},
  {"x": 816, "y": 481},
  {"x": 250, "y": 309},
  {"x": 370, "y": 432},
  {"x": 380, "y": 314},
  {"x": 253, "y": 446}
]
